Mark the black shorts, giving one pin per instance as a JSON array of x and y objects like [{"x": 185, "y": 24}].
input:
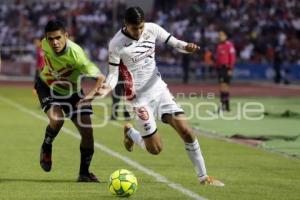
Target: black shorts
[
  {"x": 67, "y": 103},
  {"x": 223, "y": 76}
]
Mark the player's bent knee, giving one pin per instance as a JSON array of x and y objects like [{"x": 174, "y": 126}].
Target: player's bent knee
[
  {"x": 56, "y": 124},
  {"x": 154, "y": 151},
  {"x": 153, "y": 143}
]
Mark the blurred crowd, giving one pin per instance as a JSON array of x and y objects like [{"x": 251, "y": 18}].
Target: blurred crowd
[
  {"x": 90, "y": 23},
  {"x": 260, "y": 29}
]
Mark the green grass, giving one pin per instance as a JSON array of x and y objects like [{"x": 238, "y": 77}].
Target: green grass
[
  {"x": 282, "y": 132},
  {"x": 271, "y": 125},
  {"x": 248, "y": 173}
]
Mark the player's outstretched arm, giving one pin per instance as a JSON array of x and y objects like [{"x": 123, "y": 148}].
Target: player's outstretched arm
[
  {"x": 94, "y": 92},
  {"x": 164, "y": 37},
  {"x": 111, "y": 81},
  {"x": 183, "y": 46}
]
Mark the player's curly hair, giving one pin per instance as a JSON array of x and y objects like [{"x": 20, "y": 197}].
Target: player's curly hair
[{"x": 134, "y": 15}]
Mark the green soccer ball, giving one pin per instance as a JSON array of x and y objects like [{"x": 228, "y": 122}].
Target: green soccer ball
[{"x": 122, "y": 183}]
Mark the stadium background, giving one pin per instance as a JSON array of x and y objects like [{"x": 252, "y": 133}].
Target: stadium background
[
  {"x": 257, "y": 28},
  {"x": 260, "y": 31}
]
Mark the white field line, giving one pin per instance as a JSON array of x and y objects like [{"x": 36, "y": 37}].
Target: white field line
[
  {"x": 110, "y": 152},
  {"x": 273, "y": 85}
]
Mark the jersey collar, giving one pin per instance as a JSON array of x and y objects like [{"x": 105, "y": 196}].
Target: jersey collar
[{"x": 127, "y": 35}]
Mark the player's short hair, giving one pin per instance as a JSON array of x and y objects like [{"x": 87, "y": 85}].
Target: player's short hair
[
  {"x": 226, "y": 32},
  {"x": 134, "y": 15},
  {"x": 55, "y": 25},
  {"x": 223, "y": 31}
]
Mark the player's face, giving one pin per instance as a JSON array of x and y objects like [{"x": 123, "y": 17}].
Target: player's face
[
  {"x": 37, "y": 42},
  {"x": 222, "y": 36},
  {"x": 57, "y": 40},
  {"x": 134, "y": 30}
]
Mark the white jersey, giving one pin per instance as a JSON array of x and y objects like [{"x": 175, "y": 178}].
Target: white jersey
[{"x": 135, "y": 60}]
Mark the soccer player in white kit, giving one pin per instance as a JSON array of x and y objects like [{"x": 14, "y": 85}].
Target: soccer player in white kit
[{"x": 132, "y": 50}]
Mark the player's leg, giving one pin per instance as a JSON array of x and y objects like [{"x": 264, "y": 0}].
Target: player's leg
[
  {"x": 192, "y": 147},
  {"x": 84, "y": 125},
  {"x": 151, "y": 143},
  {"x": 224, "y": 81},
  {"x": 172, "y": 114},
  {"x": 224, "y": 96},
  {"x": 36, "y": 77},
  {"x": 127, "y": 115},
  {"x": 227, "y": 88},
  {"x": 148, "y": 138},
  {"x": 117, "y": 94},
  {"x": 80, "y": 116},
  {"x": 56, "y": 120},
  {"x": 115, "y": 102}
]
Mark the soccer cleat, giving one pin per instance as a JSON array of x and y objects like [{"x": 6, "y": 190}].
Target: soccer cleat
[
  {"x": 128, "y": 143},
  {"x": 88, "y": 178},
  {"x": 212, "y": 181},
  {"x": 45, "y": 158}
]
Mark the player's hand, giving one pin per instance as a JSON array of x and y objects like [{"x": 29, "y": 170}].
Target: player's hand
[
  {"x": 104, "y": 89},
  {"x": 85, "y": 101},
  {"x": 191, "y": 47}
]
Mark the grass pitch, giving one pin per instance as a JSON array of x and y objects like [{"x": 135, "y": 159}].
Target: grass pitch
[{"x": 249, "y": 173}]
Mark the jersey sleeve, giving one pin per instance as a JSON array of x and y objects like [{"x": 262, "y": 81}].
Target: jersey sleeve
[
  {"x": 114, "y": 60},
  {"x": 86, "y": 67},
  {"x": 165, "y": 37},
  {"x": 113, "y": 54},
  {"x": 161, "y": 34}
]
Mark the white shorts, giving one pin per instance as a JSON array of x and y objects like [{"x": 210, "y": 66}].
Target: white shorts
[{"x": 159, "y": 104}]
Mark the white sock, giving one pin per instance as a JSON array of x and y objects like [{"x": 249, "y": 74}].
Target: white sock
[
  {"x": 136, "y": 137},
  {"x": 194, "y": 152}
]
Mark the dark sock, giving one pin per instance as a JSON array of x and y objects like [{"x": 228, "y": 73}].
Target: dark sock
[
  {"x": 50, "y": 135},
  {"x": 116, "y": 111},
  {"x": 225, "y": 101},
  {"x": 126, "y": 113},
  {"x": 85, "y": 160},
  {"x": 227, "y": 105}
]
